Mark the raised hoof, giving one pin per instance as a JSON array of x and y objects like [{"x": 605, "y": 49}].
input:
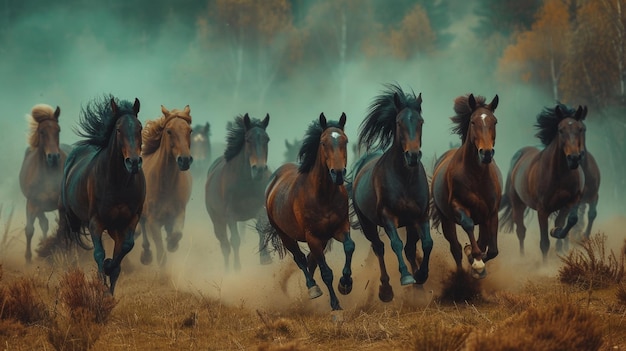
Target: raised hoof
[
  {"x": 420, "y": 277},
  {"x": 345, "y": 285},
  {"x": 385, "y": 293},
  {"x": 146, "y": 257},
  {"x": 407, "y": 280},
  {"x": 172, "y": 241},
  {"x": 107, "y": 266},
  {"x": 315, "y": 292},
  {"x": 557, "y": 233},
  {"x": 479, "y": 274}
]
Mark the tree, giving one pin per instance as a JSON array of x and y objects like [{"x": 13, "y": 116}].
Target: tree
[
  {"x": 505, "y": 17},
  {"x": 414, "y": 35}
]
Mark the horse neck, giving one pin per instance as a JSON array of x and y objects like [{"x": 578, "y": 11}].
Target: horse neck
[
  {"x": 469, "y": 156},
  {"x": 557, "y": 164},
  {"x": 319, "y": 179},
  {"x": 394, "y": 159},
  {"x": 112, "y": 162},
  {"x": 167, "y": 167},
  {"x": 241, "y": 166}
]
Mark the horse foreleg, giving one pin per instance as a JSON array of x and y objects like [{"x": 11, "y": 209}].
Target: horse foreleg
[
  {"x": 301, "y": 262},
  {"x": 572, "y": 217},
  {"x": 559, "y": 221},
  {"x": 544, "y": 242},
  {"x": 124, "y": 243},
  {"x": 96, "y": 229},
  {"x": 146, "y": 253},
  {"x": 43, "y": 224},
  {"x": 345, "y": 282},
  {"x": 370, "y": 230},
  {"x": 29, "y": 230},
  {"x": 154, "y": 229},
  {"x": 175, "y": 231},
  {"x": 410, "y": 248},
  {"x": 489, "y": 238},
  {"x": 397, "y": 246},
  {"x": 427, "y": 246},
  {"x": 449, "y": 232},
  {"x": 473, "y": 252},
  {"x": 235, "y": 242},
  {"x": 317, "y": 250},
  {"x": 517, "y": 212},
  {"x": 219, "y": 228},
  {"x": 591, "y": 216}
]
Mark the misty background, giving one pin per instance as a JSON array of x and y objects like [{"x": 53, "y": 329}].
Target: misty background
[{"x": 295, "y": 59}]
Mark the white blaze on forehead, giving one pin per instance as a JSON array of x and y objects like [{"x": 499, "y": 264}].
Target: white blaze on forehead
[
  {"x": 198, "y": 137},
  {"x": 335, "y": 135},
  {"x": 483, "y": 116}
]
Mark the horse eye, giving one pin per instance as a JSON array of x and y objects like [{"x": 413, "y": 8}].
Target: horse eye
[{"x": 169, "y": 132}]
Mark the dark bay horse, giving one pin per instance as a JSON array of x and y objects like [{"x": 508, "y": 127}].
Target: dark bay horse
[
  {"x": 390, "y": 187},
  {"x": 103, "y": 185},
  {"x": 309, "y": 203},
  {"x": 467, "y": 184},
  {"x": 236, "y": 182},
  {"x": 548, "y": 180},
  {"x": 201, "y": 148},
  {"x": 166, "y": 161},
  {"x": 42, "y": 170},
  {"x": 590, "y": 195}
]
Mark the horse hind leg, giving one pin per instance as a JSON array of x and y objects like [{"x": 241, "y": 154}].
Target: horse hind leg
[
  {"x": 146, "y": 253},
  {"x": 29, "y": 230}
]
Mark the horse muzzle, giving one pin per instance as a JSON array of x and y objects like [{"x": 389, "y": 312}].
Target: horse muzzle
[
  {"x": 573, "y": 161},
  {"x": 184, "y": 162},
  {"x": 133, "y": 164},
  {"x": 412, "y": 159},
  {"x": 53, "y": 159},
  {"x": 338, "y": 177},
  {"x": 256, "y": 172},
  {"x": 486, "y": 156}
]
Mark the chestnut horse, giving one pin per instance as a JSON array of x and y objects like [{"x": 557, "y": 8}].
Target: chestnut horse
[
  {"x": 167, "y": 158},
  {"x": 467, "y": 184},
  {"x": 42, "y": 170},
  {"x": 309, "y": 203},
  {"x": 390, "y": 188},
  {"x": 548, "y": 180},
  {"x": 236, "y": 182},
  {"x": 103, "y": 185}
]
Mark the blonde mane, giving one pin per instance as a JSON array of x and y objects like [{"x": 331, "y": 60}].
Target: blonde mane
[
  {"x": 153, "y": 131},
  {"x": 38, "y": 114}
]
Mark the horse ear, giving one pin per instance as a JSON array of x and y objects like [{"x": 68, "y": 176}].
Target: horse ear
[
  {"x": 136, "y": 106},
  {"x": 494, "y": 103},
  {"x": 207, "y": 128},
  {"x": 113, "y": 107},
  {"x": 246, "y": 121},
  {"x": 419, "y": 98},
  {"x": 323, "y": 121},
  {"x": 287, "y": 144},
  {"x": 164, "y": 110},
  {"x": 471, "y": 101},
  {"x": 581, "y": 113},
  {"x": 187, "y": 109},
  {"x": 57, "y": 113},
  {"x": 585, "y": 110},
  {"x": 396, "y": 101},
  {"x": 558, "y": 112},
  {"x": 342, "y": 120},
  {"x": 266, "y": 120}
]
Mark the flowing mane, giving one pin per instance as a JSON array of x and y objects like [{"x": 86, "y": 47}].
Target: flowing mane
[
  {"x": 97, "y": 122},
  {"x": 236, "y": 136},
  {"x": 153, "y": 130},
  {"x": 463, "y": 113},
  {"x": 310, "y": 144},
  {"x": 376, "y": 130},
  {"x": 38, "y": 114},
  {"x": 548, "y": 122}
]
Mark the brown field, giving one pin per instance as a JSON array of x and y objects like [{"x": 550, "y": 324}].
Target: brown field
[{"x": 195, "y": 305}]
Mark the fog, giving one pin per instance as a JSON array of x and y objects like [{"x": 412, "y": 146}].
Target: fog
[{"x": 41, "y": 65}]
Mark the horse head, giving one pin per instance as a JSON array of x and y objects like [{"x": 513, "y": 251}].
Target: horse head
[
  {"x": 128, "y": 135},
  {"x": 333, "y": 148},
  {"x": 200, "y": 141},
  {"x": 177, "y": 136},
  {"x": 256, "y": 140},
  {"x": 482, "y": 128},
  {"x": 409, "y": 124},
  {"x": 48, "y": 131},
  {"x": 571, "y": 135}
]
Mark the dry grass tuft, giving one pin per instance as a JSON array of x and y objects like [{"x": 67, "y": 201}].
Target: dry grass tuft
[
  {"x": 440, "y": 336},
  {"x": 560, "y": 325},
  {"x": 79, "y": 332},
  {"x": 459, "y": 286},
  {"x": 621, "y": 294},
  {"x": 21, "y": 303},
  {"x": 514, "y": 302},
  {"x": 292, "y": 346},
  {"x": 86, "y": 297},
  {"x": 589, "y": 266}
]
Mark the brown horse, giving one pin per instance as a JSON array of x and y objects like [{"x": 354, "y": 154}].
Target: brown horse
[
  {"x": 103, "y": 186},
  {"x": 167, "y": 158},
  {"x": 590, "y": 195},
  {"x": 390, "y": 188},
  {"x": 309, "y": 203},
  {"x": 201, "y": 148},
  {"x": 42, "y": 170},
  {"x": 467, "y": 184},
  {"x": 292, "y": 149},
  {"x": 236, "y": 182},
  {"x": 548, "y": 180}
]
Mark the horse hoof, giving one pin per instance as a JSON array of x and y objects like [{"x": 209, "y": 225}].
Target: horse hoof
[
  {"x": 479, "y": 274},
  {"x": 172, "y": 241},
  {"x": 315, "y": 292},
  {"x": 407, "y": 280},
  {"x": 107, "y": 266},
  {"x": 345, "y": 285},
  {"x": 557, "y": 233},
  {"x": 385, "y": 293},
  {"x": 146, "y": 257},
  {"x": 420, "y": 277}
]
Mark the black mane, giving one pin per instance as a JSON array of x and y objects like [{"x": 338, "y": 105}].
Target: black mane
[
  {"x": 463, "y": 113},
  {"x": 97, "y": 122},
  {"x": 548, "y": 122},
  {"x": 311, "y": 143},
  {"x": 376, "y": 130},
  {"x": 236, "y": 136}
]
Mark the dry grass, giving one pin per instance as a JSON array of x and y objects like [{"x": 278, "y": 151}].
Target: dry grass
[
  {"x": 21, "y": 303},
  {"x": 86, "y": 297},
  {"x": 590, "y": 266}
]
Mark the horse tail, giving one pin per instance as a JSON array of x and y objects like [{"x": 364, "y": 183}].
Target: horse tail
[
  {"x": 269, "y": 235},
  {"x": 506, "y": 207}
]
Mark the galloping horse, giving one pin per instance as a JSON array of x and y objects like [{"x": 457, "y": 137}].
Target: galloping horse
[
  {"x": 467, "y": 184},
  {"x": 292, "y": 149},
  {"x": 236, "y": 182},
  {"x": 309, "y": 203},
  {"x": 42, "y": 170},
  {"x": 103, "y": 185},
  {"x": 390, "y": 187},
  {"x": 201, "y": 148},
  {"x": 548, "y": 180},
  {"x": 592, "y": 187},
  {"x": 167, "y": 158}
]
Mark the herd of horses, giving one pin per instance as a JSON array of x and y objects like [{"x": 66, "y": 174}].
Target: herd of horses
[{"x": 123, "y": 178}]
